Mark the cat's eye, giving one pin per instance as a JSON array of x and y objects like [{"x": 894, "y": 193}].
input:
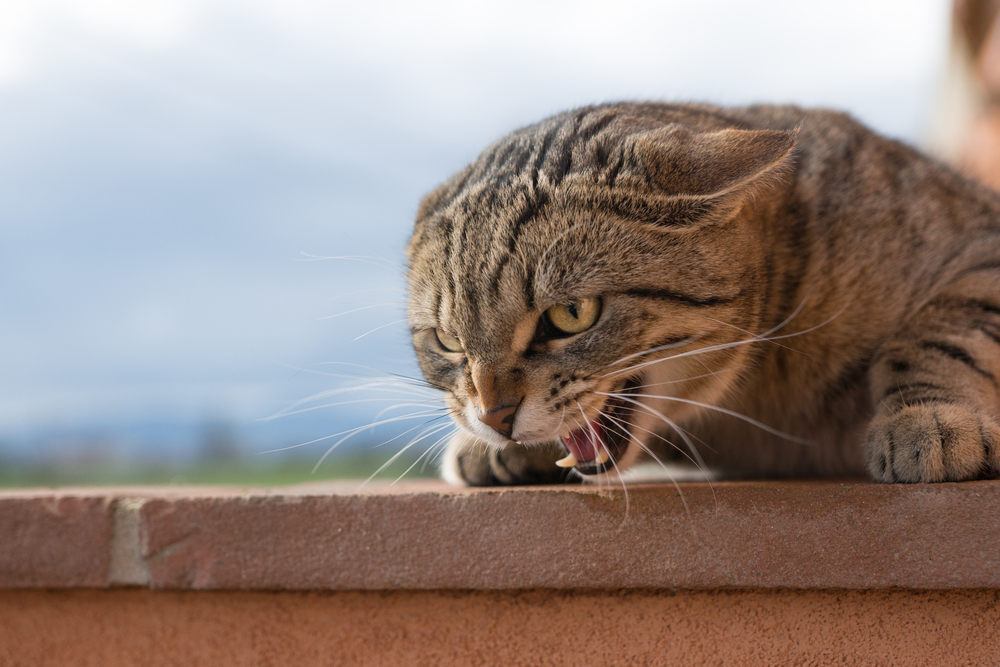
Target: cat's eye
[
  {"x": 448, "y": 341},
  {"x": 575, "y": 316}
]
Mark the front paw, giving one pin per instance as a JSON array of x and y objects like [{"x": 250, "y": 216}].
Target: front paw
[
  {"x": 933, "y": 443},
  {"x": 468, "y": 461}
]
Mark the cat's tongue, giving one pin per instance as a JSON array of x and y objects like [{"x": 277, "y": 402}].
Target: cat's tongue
[{"x": 584, "y": 444}]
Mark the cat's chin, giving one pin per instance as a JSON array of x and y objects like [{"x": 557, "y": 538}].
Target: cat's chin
[{"x": 602, "y": 446}]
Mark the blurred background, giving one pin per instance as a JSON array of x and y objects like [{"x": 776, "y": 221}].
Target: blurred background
[{"x": 204, "y": 204}]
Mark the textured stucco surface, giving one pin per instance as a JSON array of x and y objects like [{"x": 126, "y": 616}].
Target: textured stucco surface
[
  {"x": 809, "y": 535},
  {"x": 746, "y": 628}
]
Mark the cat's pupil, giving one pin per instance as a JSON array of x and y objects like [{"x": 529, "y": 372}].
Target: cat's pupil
[{"x": 572, "y": 310}]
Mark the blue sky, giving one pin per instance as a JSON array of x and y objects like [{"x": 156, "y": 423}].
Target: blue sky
[{"x": 167, "y": 167}]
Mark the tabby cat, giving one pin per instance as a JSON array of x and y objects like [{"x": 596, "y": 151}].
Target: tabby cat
[{"x": 763, "y": 291}]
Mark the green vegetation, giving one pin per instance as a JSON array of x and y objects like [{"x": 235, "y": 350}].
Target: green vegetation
[{"x": 240, "y": 472}]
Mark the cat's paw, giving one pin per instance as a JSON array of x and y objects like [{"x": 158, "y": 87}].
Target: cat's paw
[
  {"x": 933, "y": 443},
  {"x": 468, "y": 461}
]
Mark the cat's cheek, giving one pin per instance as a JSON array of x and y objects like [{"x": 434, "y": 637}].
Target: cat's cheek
[{"x": 536, "y": 423}]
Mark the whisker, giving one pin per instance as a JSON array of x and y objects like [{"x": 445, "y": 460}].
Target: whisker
[
  {"x": 350, "y": 431},
  {"x": 356, "y": 310},
  {"x": 443, "y": 408},
  {"x": 415, "y": 382},
  {"x": 377, "y": 328},
  {"x": 653, "y": 350},
  {"x": 425, "y": 455},
  {"x": 621, "y": 424},
  {"x": 418, "y": 381},
  {"x": 688, "y": 379},
  {"x": 764, "y": 337},
  {"x": 402, "y": 451},
  {"x": 441, "y": 445},
  {"x": 339, "y": 403},
  {"x": 363, "y": 428},
  {"x": 724, "y": 346},
  {"x": 680, "y": 492},
  {"x": 670, "y": 422},
  {"x": 374, "y": 260},
  {"x": 731, "y": 413},
  {"x": 599, "y": 443}
]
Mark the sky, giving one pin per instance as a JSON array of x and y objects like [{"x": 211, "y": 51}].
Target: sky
[{"x": 176, "y": 177}]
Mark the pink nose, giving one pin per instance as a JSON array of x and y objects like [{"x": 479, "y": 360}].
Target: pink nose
[{"x": 500, "y": 420}]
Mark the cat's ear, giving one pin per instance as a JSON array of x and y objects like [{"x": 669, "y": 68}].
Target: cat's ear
[{"x": 716, "y": 172}]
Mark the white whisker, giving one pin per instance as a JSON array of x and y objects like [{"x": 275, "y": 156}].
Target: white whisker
[
  {"x": 731, "y": 413},
  {"x": 356, "y": 310},
  {"x": 377, "y": 328},
  {"x": 680, "y": 492},
  {"x": 670, "y": 422},
  {"x": 426, "y": 433},
  {"x": 363, "y": 428}
]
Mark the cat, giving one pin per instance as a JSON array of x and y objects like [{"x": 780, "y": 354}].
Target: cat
[{"x": 767, "y": 291}]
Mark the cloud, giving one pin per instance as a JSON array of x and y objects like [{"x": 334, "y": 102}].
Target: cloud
[{"x": 163, "y": 164}]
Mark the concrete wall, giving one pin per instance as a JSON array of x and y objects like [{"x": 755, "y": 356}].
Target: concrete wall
[
  {"x": 749, "y": 628},
  {"x": 741, "y": 573}
]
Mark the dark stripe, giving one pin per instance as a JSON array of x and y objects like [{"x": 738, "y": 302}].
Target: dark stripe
[
  {"x": 990, "y": 334},
  {"x": 899, "y": 389},
  {"x": 500, "y": 467},
  {"x": 987, "y": 443},
  {"x": 796, "y": 258},
  {"x": 989, "y": 266},
  {"x": 566, "y": 158},
  {"x": 982, "y": 305},
  {"x": 899, "y": 366},
  {"x": 530, "y": 211},
  {"x": 958, "y": 354},
  {"x": 528, "y": 286},
  {"x": 651, "y": 293},
  {"x": 522, "y": 159},
  {"x": 532, "y": 208},
  {"x": 614, "y": 169},
  {"x": 850, "y": 377},
  {"x": 892, "y": 457},
  {"x": 540, "y": 160},
  {"x": 594, "y": 128}
]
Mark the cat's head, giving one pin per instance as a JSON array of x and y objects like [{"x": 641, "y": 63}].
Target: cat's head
[{"x": 551, "y": 279}]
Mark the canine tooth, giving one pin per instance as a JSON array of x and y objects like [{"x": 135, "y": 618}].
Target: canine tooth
[
  {"x": 567, "y": 462},
  {"x": 602, "y": 455}
]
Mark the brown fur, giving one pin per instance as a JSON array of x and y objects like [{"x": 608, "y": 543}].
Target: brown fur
[{"x": 703, "y": 228}]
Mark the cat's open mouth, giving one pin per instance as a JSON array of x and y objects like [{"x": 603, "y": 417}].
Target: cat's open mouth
[{"x": 597, "y": 447}]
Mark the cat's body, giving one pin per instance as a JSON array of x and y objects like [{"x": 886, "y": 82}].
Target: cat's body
[{"x": 696, "y": 233}]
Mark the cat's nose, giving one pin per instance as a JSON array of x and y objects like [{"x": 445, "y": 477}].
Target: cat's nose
[{"x": 500, "y": 419}]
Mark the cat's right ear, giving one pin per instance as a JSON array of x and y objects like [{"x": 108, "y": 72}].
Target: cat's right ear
[{"x": 710, "y": 175}]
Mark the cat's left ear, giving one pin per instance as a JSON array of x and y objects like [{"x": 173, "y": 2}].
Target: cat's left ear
[{"x": 714, "y": 172}]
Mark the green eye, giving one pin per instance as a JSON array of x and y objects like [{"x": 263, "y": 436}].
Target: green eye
[
  {"x": 448, "y": 341},
  {"x": 576, "y": 316}
]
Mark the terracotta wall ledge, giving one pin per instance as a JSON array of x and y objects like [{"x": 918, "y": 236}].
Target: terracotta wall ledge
[{"x": 425, "y": 535}]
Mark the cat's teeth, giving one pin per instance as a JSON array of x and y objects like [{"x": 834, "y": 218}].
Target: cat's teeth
[
  {"x": 602, "y": 455},
  {"x": 567, "y": 462}
]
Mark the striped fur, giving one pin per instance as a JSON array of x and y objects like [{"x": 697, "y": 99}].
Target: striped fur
[{"x": 872, "y": 272}]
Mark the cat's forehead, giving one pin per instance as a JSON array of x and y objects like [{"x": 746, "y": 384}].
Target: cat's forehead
[
  {"x": 489, "y": 247},
  {"x": 493, "y": 258}
]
